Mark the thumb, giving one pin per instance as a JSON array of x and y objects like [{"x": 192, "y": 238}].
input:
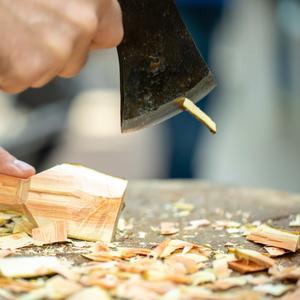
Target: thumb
[{"x": 9, "y": 165}]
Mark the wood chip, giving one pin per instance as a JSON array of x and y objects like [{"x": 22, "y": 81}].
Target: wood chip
[
  {"x": 168, "y": 247},
  {"x": 93, "y": 293},
  {"x": 6, "y": 295},
  {"x": 195, "y": 224},
  {"x": 220, "y": 266},
  {"x": 292, "y": 296},
  {"x": 58, "y": 287},
  {"x": 270, "y": 236},
  {"x": 204, "y": 276},
  {"x": 255, "y": 257},
  {"x": 22, "y": 224},
  {"x": 275, "y": 252},
  {"x": 15, "y": 241},
  {"x": 285, "y": 273},
  {"x": 228, "y": 283},
  {"x": 50, "y": 234},
  {"x": 5, "y": 253},
  {"x": 295, "y": 222},
  {"x": 28, "y": 267},
  {"x": 227, "y": 224},
  {"x": 169, "y": 228},
  {"x": 106, "y": 255},
  {"x": 272, "y": 289},
  {"x": 188, "y": 264},
  {"x": 245, "y": 267},
  {"x": 133, "y": 252}
]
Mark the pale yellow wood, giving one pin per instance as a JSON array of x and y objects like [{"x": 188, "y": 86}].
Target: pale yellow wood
[
  {"x": 22, "y": 224},
  {"x": 194, "y": 110},
  {"x": 245, "y": 267},
  {"x": 254, "y": 256},
  {"x": 270, "y": 236},
  {"x": 10, "y": 188},
  {"x": 15, "y": 241},
  {"x": 53, "y": 233},
  {"x": 88, "y": 201}
]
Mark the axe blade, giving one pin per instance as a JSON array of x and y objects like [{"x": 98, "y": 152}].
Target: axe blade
[{"x": 159, "y": 63}]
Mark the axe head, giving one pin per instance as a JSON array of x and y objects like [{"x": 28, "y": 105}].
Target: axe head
[{"x": 159, "y": 63}]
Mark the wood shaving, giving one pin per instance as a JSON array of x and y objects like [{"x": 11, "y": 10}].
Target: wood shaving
[
  {"x": 270, "y": 236},
  {"x": 295, "y": 222},
  {"x": 169, "y": 228},
  {"x": 15, "y": 241},
  {"x": 195, "y": 224},
  {"x": 273, "y": 289},
  {"x": 285, "y": 273},
  {"x": 275, "y": 252}
]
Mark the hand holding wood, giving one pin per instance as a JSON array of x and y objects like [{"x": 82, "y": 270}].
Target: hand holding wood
[{"x": 88, "y": 202}]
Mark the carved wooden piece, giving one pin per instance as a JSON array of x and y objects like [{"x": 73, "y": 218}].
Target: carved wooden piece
[{"x": 89, "y": 202}]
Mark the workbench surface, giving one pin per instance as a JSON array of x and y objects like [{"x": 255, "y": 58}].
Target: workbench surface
[{"x": 150, "y": 202}]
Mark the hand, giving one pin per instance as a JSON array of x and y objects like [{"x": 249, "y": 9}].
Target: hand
[
  {"x": 9, "y": 165},
  {"x": 42, "y": 39}
]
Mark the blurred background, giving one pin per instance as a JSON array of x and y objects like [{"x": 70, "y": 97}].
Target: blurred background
[{"x": 253, "y": 47}]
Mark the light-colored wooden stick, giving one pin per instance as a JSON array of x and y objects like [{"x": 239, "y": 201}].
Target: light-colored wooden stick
[
  {"x": 194, "y": 110},
  {"x": 270, "y": 236}
]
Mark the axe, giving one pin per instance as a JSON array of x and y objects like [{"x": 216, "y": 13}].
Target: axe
[{"x": 161, "y": 70}]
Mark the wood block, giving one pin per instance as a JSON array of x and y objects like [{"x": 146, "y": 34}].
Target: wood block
[
  {"x": 53, "y": 233},
  {"x": 270, "y": 236},
  {"x": 88, "y": 201}
]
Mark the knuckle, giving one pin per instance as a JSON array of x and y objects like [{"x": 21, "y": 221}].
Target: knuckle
[
  {"x": 61, "y": 49},
  {"x": 28, "y": 73},
  {"x": 89, "y": 23},
  {"x": 86, "y": 17},
  {"x": 56, "y": 46},
  {"x": 33, "y": 70},
  {"x": 111, "y": 40},
  {"x": 73, "y": 70}
]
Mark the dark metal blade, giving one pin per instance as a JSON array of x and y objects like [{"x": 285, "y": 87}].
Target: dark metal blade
[{"x": 159, "y": 63}]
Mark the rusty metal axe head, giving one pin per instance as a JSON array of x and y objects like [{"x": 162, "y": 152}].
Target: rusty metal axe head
[{"x": 159, "y": 63}]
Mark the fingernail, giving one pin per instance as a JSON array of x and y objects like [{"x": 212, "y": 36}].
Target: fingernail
[{"x": 22, "y": 165}]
